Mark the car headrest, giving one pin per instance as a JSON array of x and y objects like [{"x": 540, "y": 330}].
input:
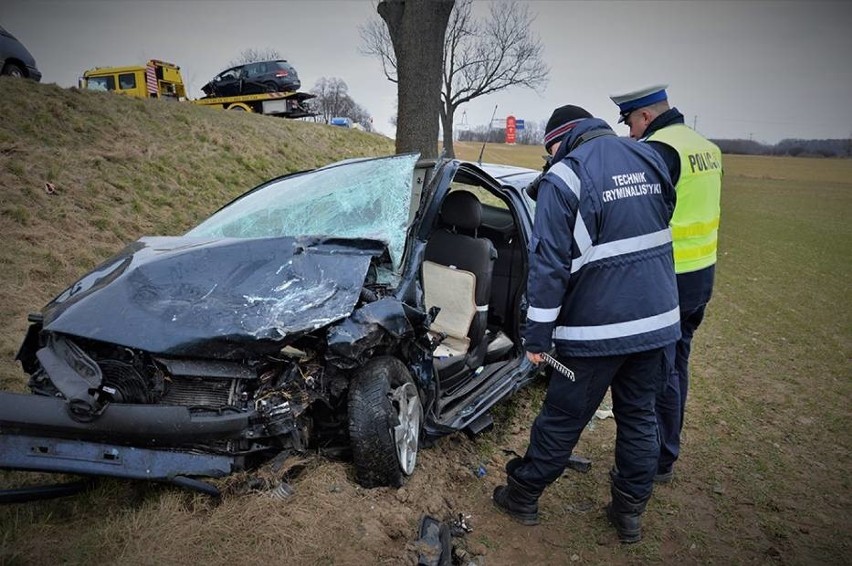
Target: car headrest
[{"x": 462, "y": 210}]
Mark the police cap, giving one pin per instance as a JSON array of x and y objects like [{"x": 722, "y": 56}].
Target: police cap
[{"x": 641, "y": 98}]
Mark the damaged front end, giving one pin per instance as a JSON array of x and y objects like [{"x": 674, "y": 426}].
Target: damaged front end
[
  {"x": 238, "y": 378},
  {"x": 106, "y": 410}
]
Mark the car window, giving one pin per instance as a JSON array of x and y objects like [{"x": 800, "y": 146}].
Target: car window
[
  {"x": 482, "y": 194},
  {"x": 228, "y": 75},
  {"x": 127, "y": 80},
  {"x": 101, "y": 83},
  {"x": 355, "y": 199}
]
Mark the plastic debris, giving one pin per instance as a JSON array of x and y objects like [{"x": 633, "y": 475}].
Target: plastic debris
[
  {"x": 460, "y": 526},
  {"x": 603, "y": 414},
  {"x": 579, "y": 464},
  {"x": 433, "y": 544},
  {"x": 282, "y": 491}
]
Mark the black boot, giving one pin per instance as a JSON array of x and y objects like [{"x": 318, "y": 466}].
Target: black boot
[
  {"x": 625, "y": 513},
  {"x": 518, "y": 501},
  {"x": 513, "y": 465}
]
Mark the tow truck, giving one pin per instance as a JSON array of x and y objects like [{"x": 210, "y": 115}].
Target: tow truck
[{"x": 163, "y": 80}]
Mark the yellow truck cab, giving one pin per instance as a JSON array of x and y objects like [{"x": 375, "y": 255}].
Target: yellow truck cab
[{"x": 156, "y": 79}]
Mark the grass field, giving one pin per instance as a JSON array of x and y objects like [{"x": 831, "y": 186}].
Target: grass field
[{"x": 764, "y": 477}]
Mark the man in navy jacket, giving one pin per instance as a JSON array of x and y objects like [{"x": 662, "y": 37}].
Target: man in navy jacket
[{"x": 602, "y": 293}]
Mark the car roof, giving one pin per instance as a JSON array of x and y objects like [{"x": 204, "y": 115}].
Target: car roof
[
  {"x": 257, "y": 62},
  {"x": 518, "y": 177}
]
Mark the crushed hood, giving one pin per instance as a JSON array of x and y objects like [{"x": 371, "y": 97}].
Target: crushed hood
[{"x": 220, "y": 298}]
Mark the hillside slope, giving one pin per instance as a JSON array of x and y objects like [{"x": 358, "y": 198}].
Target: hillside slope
[{"x": 83, "y": 173}]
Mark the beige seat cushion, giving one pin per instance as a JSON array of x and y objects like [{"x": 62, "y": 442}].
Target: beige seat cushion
[{"x": 453, "y": 291}]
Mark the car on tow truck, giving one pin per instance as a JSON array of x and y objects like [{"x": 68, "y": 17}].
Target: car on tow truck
[
  {"x": 359, "y": 308},
  {"x": 254, "y": 78},
  {"x": 163, "y": 80}
]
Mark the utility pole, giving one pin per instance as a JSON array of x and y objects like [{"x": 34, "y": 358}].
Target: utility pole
[{"x": 695, "y": 122}]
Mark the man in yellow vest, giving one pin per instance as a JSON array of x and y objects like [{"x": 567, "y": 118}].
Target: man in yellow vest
[{"x": 695, "y": 166}]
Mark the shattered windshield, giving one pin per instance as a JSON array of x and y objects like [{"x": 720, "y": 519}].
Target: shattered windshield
[{"x": 354, "y": 199}]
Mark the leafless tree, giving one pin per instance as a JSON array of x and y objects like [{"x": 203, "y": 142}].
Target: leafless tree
[
  {"x": 333, "y": 100},
  {"x": 330, "y": 97},
  {"x": 253, "y": 55},
  {"x": 479, "y": 57},
  {"x": 415, "y": 32}
]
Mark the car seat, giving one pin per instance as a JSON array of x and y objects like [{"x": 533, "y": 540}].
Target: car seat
[{"x": 457, "y": 278}]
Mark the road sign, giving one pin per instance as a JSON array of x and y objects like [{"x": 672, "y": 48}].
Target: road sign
[
  {"x": 519, "y": 124},
  {"x": 510, "y": 129}
]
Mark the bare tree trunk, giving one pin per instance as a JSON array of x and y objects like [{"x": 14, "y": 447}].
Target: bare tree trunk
[
  {"x": 447, "y": 116},
  {"x": 417, "y": 29}
]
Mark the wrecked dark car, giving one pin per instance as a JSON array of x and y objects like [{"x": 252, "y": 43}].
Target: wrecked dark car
[
  {"x": 360, "y": 307},
  {"x": 254, "y": 78}
]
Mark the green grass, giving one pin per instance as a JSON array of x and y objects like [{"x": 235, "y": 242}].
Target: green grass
[{"x": 767, "y": 421}]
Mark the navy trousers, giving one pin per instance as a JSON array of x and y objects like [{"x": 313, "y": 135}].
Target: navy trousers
[
  {"x": 635, "y": 380},
  {"x": 695, "y": 290},
  {"x": 671, "y": 402}
]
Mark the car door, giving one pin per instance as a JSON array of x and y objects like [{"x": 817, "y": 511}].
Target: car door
[
  {"x": 463, "y": 402},
  {"x": 228, "y": 82},
  {"x": 252, "y": 75}
]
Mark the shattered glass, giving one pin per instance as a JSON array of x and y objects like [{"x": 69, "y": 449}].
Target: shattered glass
[{"x": 356, "y": 199}]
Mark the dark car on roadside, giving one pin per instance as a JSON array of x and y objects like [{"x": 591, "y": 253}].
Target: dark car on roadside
[
  {"x": 355, "y": 309},
  {"x": 15, "y": 60},
  {"x": 254, "y": 78}
]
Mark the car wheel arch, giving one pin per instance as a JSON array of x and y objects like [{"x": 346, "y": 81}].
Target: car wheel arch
[{"x": 14, "y": 68}]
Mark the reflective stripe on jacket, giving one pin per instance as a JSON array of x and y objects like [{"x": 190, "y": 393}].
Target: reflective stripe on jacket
[
  {"x": 601, "y": 278},
  {"x": 695, "y": 224}
]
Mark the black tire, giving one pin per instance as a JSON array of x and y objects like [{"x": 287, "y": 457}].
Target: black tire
[
  {"x": 13, "y": 70},
  {"x": 271, "y": 86},
  {"x": 374, "y": 416}
]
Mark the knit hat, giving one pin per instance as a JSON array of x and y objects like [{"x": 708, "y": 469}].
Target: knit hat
[{"x": 561, "y": 122}]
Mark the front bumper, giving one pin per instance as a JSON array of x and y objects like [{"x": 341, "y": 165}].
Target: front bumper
[
  {"x": 21, "y": 452},
  {"x": 152, "y": 442},
  {"x": 157, "y": 425}
]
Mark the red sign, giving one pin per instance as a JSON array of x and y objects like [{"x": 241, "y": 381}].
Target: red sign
[{"x": 510, "y": 129}]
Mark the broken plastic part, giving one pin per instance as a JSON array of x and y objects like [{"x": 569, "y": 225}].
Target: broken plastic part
[{"x": 282, "y": 491}]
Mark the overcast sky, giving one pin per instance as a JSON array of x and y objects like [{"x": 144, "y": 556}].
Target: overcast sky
[{"x": 765, "y": 70}]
